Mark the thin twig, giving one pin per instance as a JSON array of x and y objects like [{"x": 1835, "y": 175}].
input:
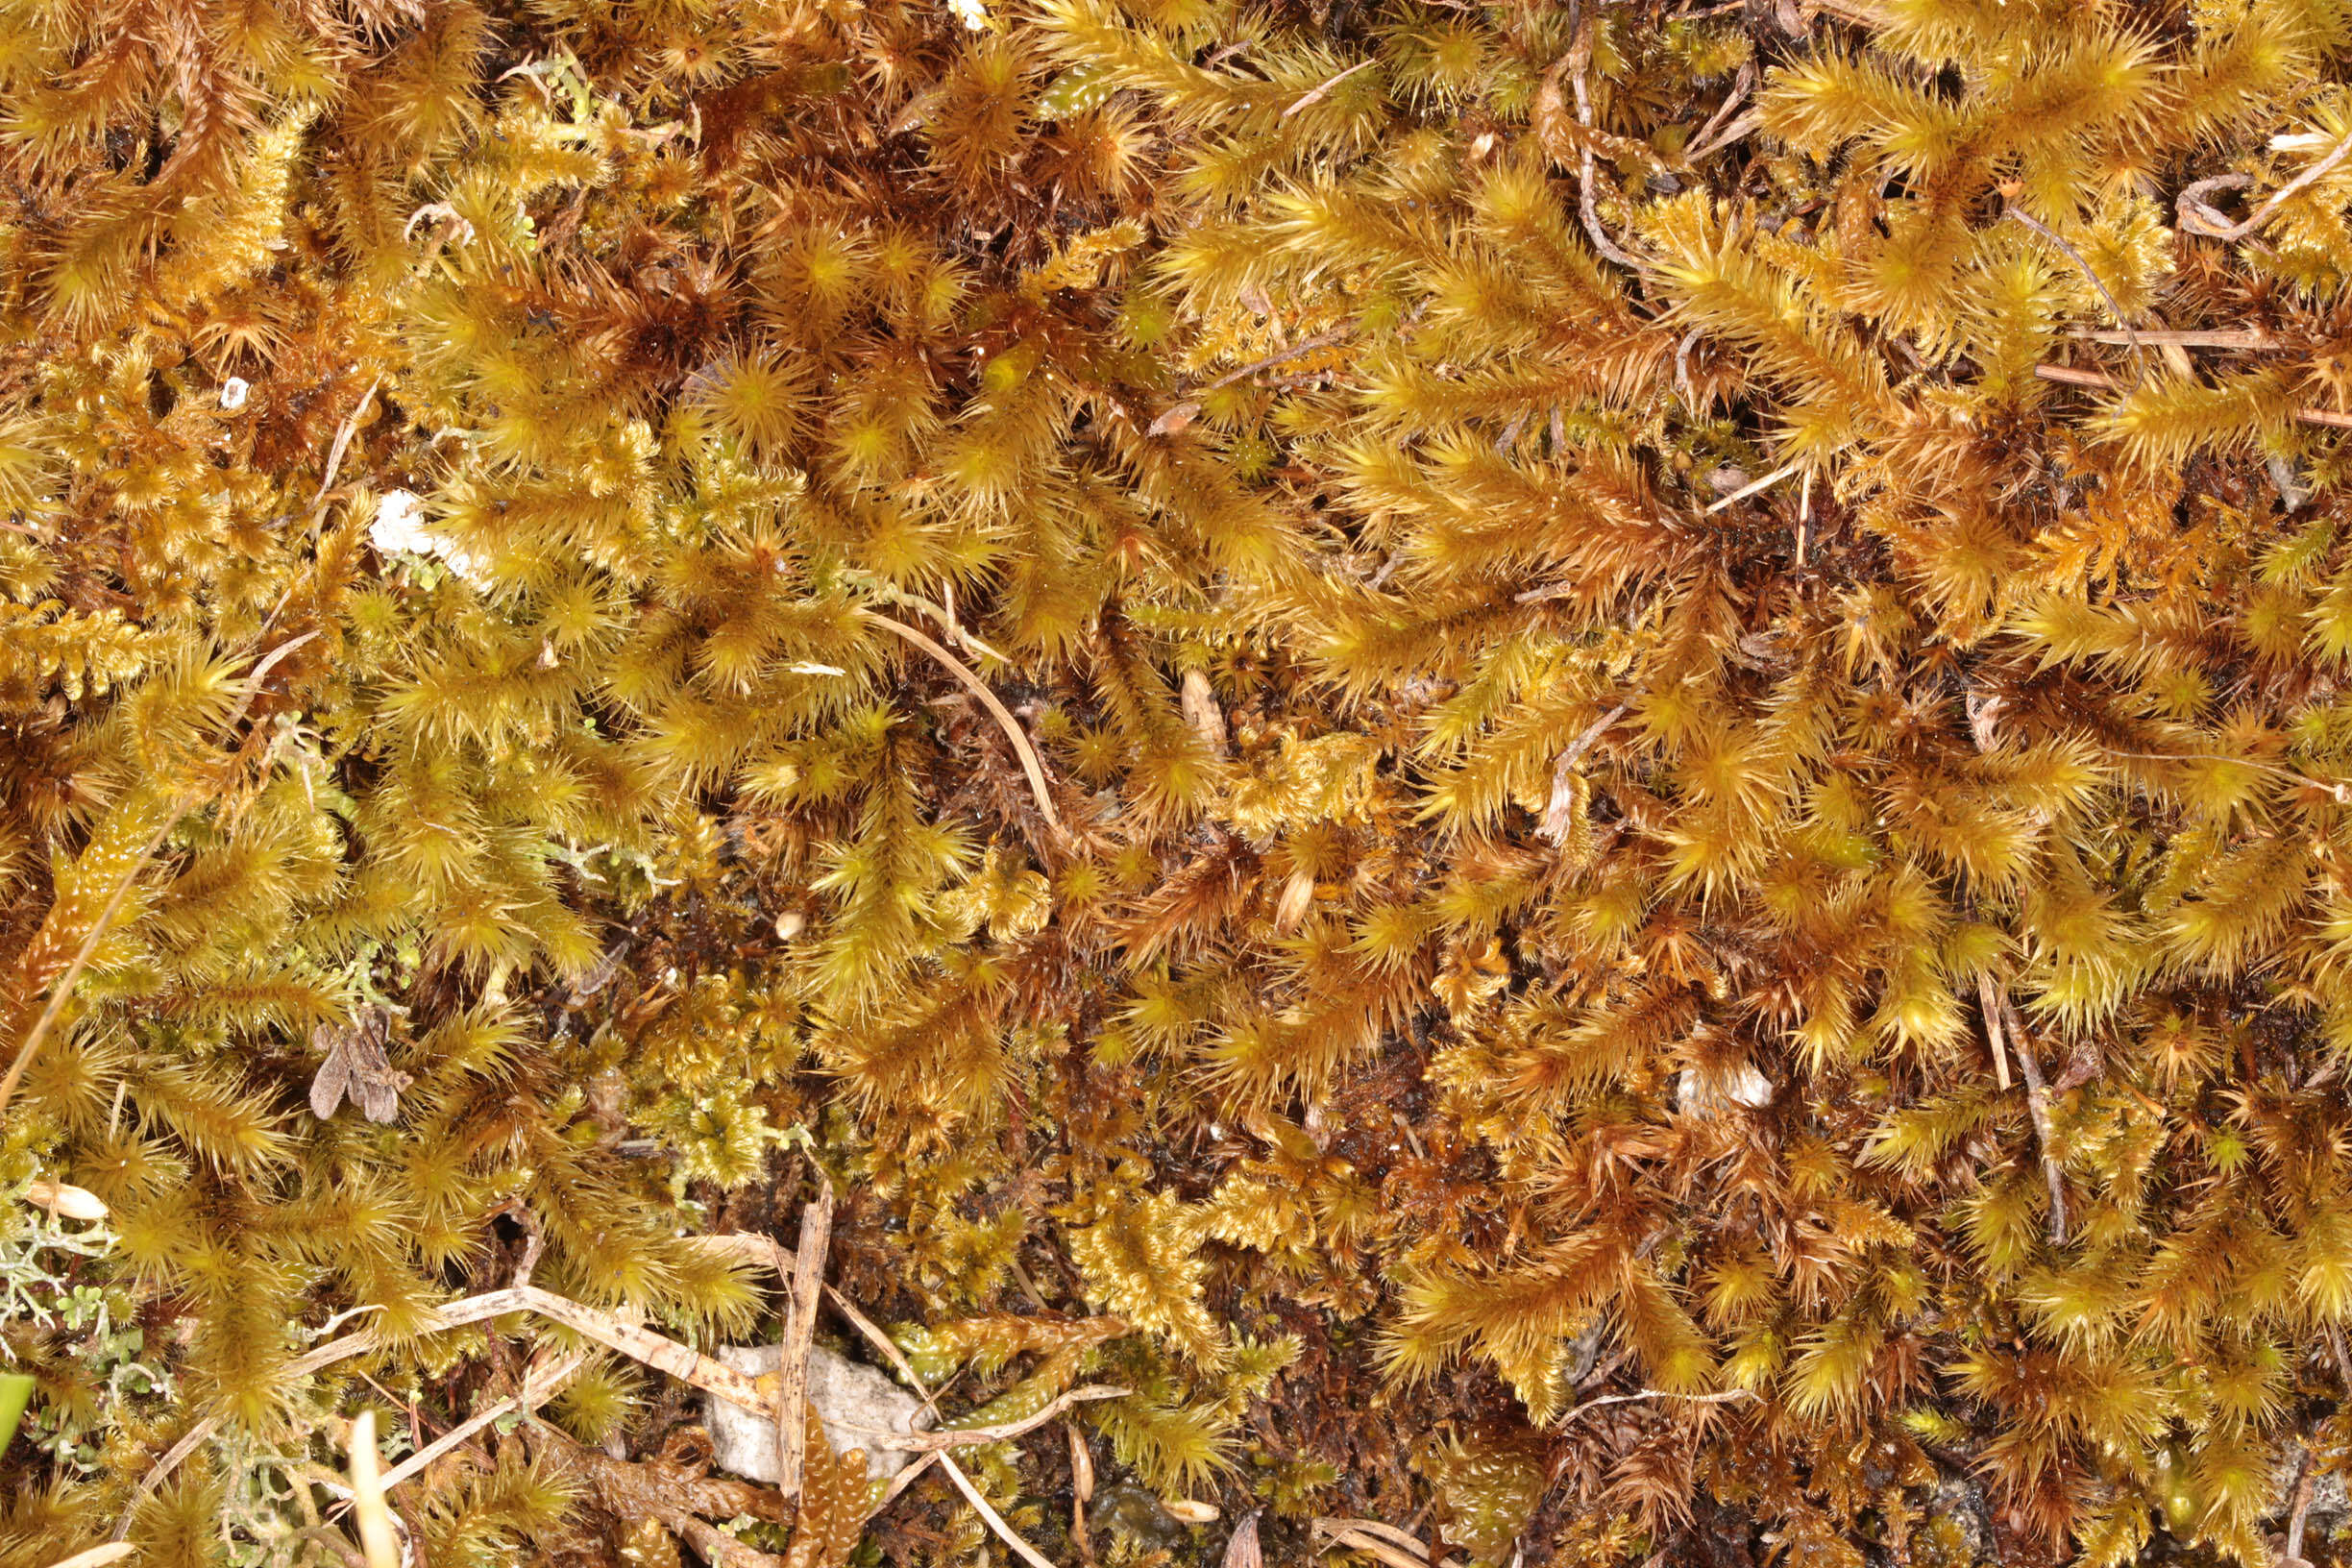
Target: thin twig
[
  {"x": 1176, "y": 416},
  {"x": 1082, "y": 1492},
  {"x": 884, "y": 1343},
  {"x": 342, "y": 443},
  {"x": 904, "y": 1478},
  {"x": 2340, "y": 793},
  {"x": 2194, "y": 217},
  {"x": 2193, "y": 214},
  {"x": 2299, "y": 1505},
  {"x": 1754, "y": 485},
  {"x": 2036, "y": 1104},
  {"x": 162, "y": 1468},
  {"x": 1303, "y": 345},
  {"x": 995, "y": 1520},
  {"x": 639, "y": 1344},
  {"x": 1741, "y": 86},
  {"x": 989, "y": 700},
  {"x": 1316, "y": 94},
  {"x": 537, "y": 1388},
  {"x": 1805, "y": 516},
  {"x": 1396, "y": 1548},
  {"x": 1578, "y": 57},
  {"x": 318, "y": 502},
  {"x": 714, "y": 1545},
  {"x": 2082, "y": 264},
  {"x": 891, "y": 1353},
  {"x": 2193, "y": 337},
  {"x": 799, "y": 1331},
  {"x": 1743, "y": 127},
  {"x": 945, "y": 616},
  {"x": 1987, "y": 1002}
]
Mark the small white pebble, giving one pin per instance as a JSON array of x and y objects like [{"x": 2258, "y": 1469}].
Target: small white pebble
[
  {"x": 400, "y": 528},
  {"x": 233, "y": 392}
]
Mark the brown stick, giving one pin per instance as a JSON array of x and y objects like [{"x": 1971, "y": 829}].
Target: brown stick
[{"x": 800, "y": 1329}]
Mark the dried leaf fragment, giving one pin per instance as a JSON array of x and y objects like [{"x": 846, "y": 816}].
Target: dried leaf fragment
[
  {"x": 64, "y": 1201},
  {"x": 1242, "y": 1551},
  {"x": 1201, "y": 711},
  {"x": 356, "y": 1065}
]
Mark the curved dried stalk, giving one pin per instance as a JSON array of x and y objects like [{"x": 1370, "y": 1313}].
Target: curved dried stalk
[
  {"x": 2193, "y": 217},
  {"x": 997, "y": 711}
]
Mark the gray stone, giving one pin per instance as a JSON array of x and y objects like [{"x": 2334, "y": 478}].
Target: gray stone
[
  {"x": 2330, "y": 1508},
  {"x": 847, "y": 1395}
]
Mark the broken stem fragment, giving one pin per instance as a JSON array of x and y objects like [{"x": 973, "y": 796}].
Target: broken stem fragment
[
  {"x": 988, "y": 699},
  {"x": 2037, "y": 1103},
  {"x": 800, "y": 1329}
]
